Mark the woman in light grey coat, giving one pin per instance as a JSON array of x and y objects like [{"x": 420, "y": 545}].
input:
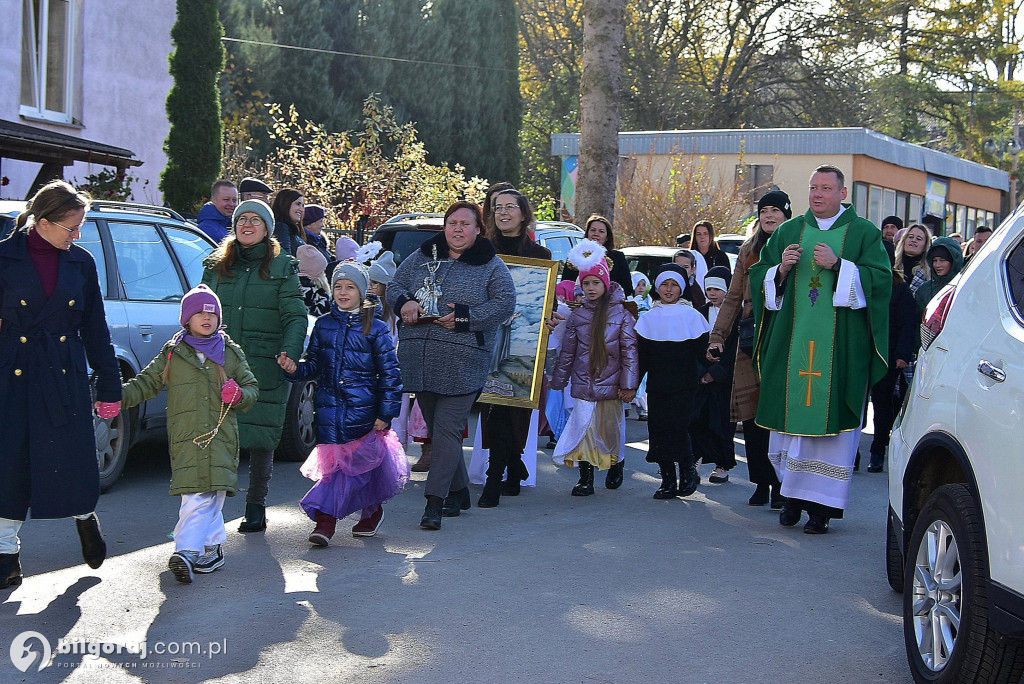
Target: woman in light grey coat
[{"x": 445, "y": 361}]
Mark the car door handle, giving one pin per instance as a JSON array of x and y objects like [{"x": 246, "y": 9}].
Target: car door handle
[
  {"x": 147, "y": 332},
  {"x": 989, "y": 370}
]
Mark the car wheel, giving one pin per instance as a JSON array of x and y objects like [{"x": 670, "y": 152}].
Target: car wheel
[
  {"x": 945, "y": 598},
  {"x": 893, "y": 557},
  {"x": 299, "y": 435},
  {"x": 111, "y": 447}
]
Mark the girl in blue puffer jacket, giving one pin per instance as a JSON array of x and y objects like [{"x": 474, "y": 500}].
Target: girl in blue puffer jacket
[{"x": 358, "y": 462}]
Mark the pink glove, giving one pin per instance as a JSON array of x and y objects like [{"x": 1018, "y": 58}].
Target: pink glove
[
  {"x": 231, "y": 393},
  {"x": 108, "y": 410}
]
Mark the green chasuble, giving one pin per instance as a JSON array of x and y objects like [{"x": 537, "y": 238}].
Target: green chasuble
[{"x": 817, "y": 361}]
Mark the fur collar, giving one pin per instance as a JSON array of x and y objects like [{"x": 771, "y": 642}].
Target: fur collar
[{"x": 479, "y": 254}]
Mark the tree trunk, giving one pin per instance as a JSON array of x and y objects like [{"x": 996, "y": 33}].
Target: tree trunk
[{"x": 604, "y": 35}]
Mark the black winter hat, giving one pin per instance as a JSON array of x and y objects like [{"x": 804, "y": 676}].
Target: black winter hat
[
  {"x": 778, "y": 199},
  {"x": 253, "y": 185},
  {"x": 894, "y": 220}
]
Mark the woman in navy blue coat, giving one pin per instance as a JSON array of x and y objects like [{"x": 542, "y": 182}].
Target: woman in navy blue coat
[{"x": 51, "y": 323}]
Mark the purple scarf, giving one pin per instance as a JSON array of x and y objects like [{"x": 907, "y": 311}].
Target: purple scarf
[{"x": 213, "y": 347}]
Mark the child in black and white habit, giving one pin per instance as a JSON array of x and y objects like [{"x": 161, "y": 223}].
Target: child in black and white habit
[
  {"x": 671, "y": 339},
  {"x": 712, "y": 429}
]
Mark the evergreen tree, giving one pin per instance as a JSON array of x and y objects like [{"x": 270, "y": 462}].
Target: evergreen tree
[{"x": 193, "y": 145}]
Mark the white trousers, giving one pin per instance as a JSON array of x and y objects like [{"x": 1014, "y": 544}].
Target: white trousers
[
  {"x": 200, "y": 522},
  {"x": 9, "y": 540}
]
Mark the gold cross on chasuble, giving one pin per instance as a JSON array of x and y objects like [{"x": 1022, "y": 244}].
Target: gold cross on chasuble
[{"x": 810, "y": 373}]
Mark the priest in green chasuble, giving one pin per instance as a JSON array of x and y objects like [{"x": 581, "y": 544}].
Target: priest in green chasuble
[{"x": 821, "y": 303}]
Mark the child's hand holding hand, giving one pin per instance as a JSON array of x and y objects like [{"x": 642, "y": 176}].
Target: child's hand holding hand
[
  {"x": 231, "y": 393},
  {"x": 287, "y": 364},
  {"x": 627, "y": 394},
  {"x": 380, "y": 425},
  {"x": 707, "y": 379}
]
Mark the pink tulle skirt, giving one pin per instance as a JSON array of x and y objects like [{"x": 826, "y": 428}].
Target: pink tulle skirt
[{"x": 356, "y": 475}]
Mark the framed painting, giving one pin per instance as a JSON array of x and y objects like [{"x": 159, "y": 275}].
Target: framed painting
[{"x": 520, "y": 347}]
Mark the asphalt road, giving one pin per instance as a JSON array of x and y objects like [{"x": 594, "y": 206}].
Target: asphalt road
[{"x": 617, "y": 587}]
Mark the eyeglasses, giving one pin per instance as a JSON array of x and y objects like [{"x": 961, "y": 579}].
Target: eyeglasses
[
  {"x": 255, "y": 221},
  {"x": 73, "y": 229},
  {"x": 512, "y": 206}
]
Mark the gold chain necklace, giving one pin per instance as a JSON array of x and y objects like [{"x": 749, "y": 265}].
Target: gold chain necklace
[{"x": 204, "y": 440}]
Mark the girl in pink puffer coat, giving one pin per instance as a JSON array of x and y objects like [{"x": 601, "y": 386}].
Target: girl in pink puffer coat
[{"x": 599, "y": 354}]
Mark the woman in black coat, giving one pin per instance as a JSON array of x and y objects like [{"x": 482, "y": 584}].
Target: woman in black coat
[
  {"x": 599, "y": 229},
  {"x": 505, "y": 429},
  {"x": 51, "y": 323},
  {"x": 289, "y": 207},
  {"x": 706, "y": 245}
]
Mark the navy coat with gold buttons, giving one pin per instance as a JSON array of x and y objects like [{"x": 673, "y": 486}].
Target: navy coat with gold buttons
[{"x": 48, "y": 454}]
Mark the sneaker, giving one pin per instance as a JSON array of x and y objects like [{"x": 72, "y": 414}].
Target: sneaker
[
  {"x": 719, "y": 475},
  {"x": 181, "y": 564},
  {"x": 209, "y": 561},
  {"x": 367, "y": 527}
]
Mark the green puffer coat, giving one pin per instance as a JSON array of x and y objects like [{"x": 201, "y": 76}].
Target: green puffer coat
[
  {"x": 265, "y": 318},
  {"x": 193, "y": 408}
]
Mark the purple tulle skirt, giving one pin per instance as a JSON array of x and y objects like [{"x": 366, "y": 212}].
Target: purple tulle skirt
[{"x": 353, "y": 476}]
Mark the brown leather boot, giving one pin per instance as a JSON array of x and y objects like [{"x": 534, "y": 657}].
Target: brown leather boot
[{"x": 422, "y": 465}]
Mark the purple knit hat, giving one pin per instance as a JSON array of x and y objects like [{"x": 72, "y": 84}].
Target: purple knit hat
[{"x": 197, "y": 300}]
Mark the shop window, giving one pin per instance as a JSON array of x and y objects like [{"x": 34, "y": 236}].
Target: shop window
[
  {"x": 860, "y": 198},
  {"x": 875, "y": 205},
  {"x": 888, "y": 202},
  {"x": 47, "y": 59},
  {"x": 916, "y": 209}
]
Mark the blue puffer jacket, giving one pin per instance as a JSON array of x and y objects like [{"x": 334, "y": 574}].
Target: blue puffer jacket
[{"x": 357, "y": 375}]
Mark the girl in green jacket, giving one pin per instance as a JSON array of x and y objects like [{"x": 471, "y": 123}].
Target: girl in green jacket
[{"x": 206, "y": 375}]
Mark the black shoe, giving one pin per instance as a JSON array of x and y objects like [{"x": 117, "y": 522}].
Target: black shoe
[
  {"x": 456, "y": 502},
  {"x": 790, "y": 515},
  {"x": 613, "y": 480},
  {"x": 94, "y": 548},
  {"x": 491, "y": 495},
  {"x": 689, "y": 481},
  {"x": 759, "y": 497},
  {"x": 255, "y": 518},
  {"x": 877, "y": 461},
  {"x": 585, "y": 487},
  {"x": 10, "y": 570},
  {"x": 778, "y": 501},
  {"x": 431, "y": 519},
  {"x": 856, "y": 462},
  {"x": 818, "y": 524},
  {"x": 517, "y": 473},
  {"x": 668, "y": 489}
]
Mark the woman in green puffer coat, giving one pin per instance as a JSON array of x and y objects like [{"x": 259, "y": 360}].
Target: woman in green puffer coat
[
  {"x": 265, "y": 314},
  {"x": 208, "y": 383}
]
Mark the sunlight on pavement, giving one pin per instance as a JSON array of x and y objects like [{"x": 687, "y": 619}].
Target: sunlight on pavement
[{"x": 300, "y": 575}]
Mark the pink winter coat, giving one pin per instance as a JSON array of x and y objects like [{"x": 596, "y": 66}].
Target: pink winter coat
[{"x": 623, "y": 369}]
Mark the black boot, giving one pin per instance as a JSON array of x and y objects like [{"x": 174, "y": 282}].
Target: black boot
[
  {"x": 491, "y": 496},
  {"x": 585, "y": 487},
  {"x": 778, "y": 501},
  {"x": 517, "y": 474},
  {"x": 431, "y": 519},
  {"x": 456, "y": 502},
  {"x": 668, "y": 488},
  {"x": 818, "y": 524},
  {"x": 790, "y": 514},
  {"x": 689, "y": 478},
  {"x": 760, "y": 496},
  {"x": 94, "y": 547},
  {"x": 255, "y": 518},
  {"x": 877, "y": 461},
  {"x": 613, "y": 480},
  {"x": 10, "y": 570}
]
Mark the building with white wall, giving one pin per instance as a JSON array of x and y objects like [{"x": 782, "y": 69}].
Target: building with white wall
[{"x": 82, "y": 89}]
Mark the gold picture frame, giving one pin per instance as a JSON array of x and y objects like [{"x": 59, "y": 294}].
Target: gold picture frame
[{"x": 520, "y": 348}]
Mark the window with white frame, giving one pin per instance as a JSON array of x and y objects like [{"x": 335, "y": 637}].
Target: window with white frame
[{"x": 47, "y": 59}]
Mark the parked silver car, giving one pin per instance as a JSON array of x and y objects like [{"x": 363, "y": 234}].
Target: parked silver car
[{"x": 147, "y": 258}]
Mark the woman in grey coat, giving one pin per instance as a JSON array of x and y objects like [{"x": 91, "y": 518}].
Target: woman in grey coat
[{"x": 445, "y": 360}]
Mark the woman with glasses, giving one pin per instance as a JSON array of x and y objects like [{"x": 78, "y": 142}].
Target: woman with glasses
[
  {"x": 264, "y": 312},
  {"x": 505, "y": 429},
  {"x": 51, "y": 323}
]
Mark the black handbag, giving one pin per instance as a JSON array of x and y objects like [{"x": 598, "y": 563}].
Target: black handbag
[{"x": 746, "y": 335}]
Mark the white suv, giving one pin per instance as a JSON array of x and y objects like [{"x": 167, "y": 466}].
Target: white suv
[{"x": 955, "y": 543}]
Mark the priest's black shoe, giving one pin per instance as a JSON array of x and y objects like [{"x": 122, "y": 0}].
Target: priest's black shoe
[
  {"x": 431, "y": 519},
  {"x": 10, "y": 570},
  {"x": 818, "y": 524},
  {"x": 456, "y": 502},
  {"x": 613, "y": 480},
  {"x": 759, "y": 497},
  {"x": 790, "y": 515},
  {"x": 585, "y": 487},
  {"x": 94, "y": 547}
]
